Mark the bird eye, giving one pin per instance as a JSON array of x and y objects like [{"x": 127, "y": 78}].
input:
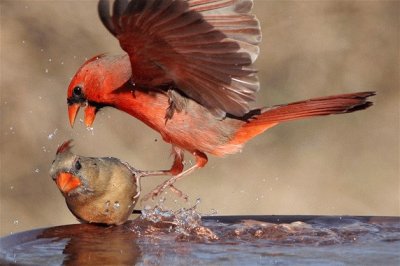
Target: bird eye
[
  {"x": 78, "y": 165},
  {"x": 77, "y": 91}
]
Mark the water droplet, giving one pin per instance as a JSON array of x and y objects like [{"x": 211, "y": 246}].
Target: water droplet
[
  {"x": 91, "y": 129},
  {"x": 51, "y": 135},
  {"x": 44, "y": 149},
  {"x": 42, "y": 50},
  {"x": 116, "y": 205},
  {"x": 11, "y": 128},
  {"x": 23, "y": 41},
  {"x": 16, "y": 222},
  {"x": 11, "y": 187},
  {"x": 46, "y": 70},
  {"x": 213, "y": 212},
  {"x": 50, "y": 59},
  {"x": 62, "y": 62},
  {"x": 37, "y": 170},
  {"x": 198, "y": 201}
]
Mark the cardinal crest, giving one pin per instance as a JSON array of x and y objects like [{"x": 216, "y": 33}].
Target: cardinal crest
[{"x": 65, "y": 147}]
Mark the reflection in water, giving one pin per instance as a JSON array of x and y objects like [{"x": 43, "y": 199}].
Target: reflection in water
[
  {"x": 182, "y": 237},
  {"x": 96, "y": 245}
]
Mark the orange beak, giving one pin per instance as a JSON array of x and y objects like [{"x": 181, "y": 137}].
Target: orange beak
[
  {"x": 67, "y": 182},
  {"x": 72, "y": 112},
  {"x": 90, "y": 113}
]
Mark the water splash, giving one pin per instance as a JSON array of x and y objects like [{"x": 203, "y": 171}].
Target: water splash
[{"x": 185, "y": 223}]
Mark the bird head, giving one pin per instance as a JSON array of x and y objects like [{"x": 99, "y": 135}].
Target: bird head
[
  {"x": 93, "y": 85},
  {"x": 73, "y": 174}
]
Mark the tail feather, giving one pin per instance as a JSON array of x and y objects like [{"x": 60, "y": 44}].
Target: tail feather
[{"x": 269, "y": 117}]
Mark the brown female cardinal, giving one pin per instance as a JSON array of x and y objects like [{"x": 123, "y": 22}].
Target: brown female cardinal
[
  {"x": 188, "y": 74},
  {"x": 96, "y": 190}
]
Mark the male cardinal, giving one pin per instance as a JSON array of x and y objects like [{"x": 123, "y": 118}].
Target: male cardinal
[
  {"x": 188, "y": 75},
  {"x": 96, "y": 190}
]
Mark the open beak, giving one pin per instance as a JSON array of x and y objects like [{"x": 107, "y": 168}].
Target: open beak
[
  {"x": 67, "y": 182},
  {"x": 90, "y": 113}
]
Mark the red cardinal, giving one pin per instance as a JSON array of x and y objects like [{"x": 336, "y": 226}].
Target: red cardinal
[{"x": 188, "y": 75}]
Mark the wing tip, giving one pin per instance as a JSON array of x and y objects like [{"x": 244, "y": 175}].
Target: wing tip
[{"x": 103, "y": 8}]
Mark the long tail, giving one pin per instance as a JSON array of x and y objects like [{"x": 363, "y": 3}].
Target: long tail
[{"x": 269, "y": 117}]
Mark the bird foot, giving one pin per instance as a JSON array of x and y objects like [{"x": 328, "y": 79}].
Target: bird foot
[{"x": 160, "y": 189}]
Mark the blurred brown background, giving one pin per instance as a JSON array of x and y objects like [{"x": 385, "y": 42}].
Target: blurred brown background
[{"x": 345, "y": 164}]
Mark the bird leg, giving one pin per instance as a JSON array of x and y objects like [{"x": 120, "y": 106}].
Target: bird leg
[
  {"x": 201, "y": 161},
  {"x": 176, "y": 168}
]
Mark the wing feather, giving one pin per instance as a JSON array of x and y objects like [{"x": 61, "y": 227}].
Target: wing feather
[{"x": 205, "y": 48}]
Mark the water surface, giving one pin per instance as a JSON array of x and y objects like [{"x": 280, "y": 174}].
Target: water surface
[{"x": 184, "y": 237}]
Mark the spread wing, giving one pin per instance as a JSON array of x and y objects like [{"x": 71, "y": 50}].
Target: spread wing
[{"x": 206, "y": 48}]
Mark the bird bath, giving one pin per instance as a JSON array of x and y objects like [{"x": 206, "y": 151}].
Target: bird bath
[{"x": 161, "y": 237}]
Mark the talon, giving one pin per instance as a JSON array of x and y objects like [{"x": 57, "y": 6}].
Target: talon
[{"x": 179, "y": 193}]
